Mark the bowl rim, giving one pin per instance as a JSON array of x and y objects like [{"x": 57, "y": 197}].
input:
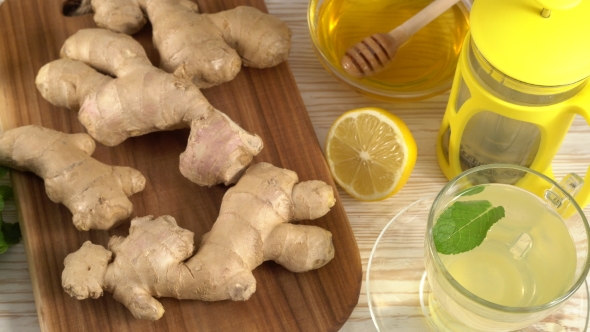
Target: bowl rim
[{"x": 464, "y": 5}]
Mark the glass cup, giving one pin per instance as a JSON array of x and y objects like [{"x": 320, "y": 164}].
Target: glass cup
[{"x": 530, "y": 263}]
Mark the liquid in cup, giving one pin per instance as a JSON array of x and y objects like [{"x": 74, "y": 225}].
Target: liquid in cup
[{"x": 527, "y": 266}]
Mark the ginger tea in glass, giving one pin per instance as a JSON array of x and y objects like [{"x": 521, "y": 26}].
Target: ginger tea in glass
[{"x": 522, "y": 268}]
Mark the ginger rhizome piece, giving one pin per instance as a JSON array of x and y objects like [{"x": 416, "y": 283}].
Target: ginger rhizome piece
[
  {"x": 138, "y": 98},
  {"x": 207, "y": 48},
  {"x": 253, "y": 226},
  {"x": 95, "y": 193}
]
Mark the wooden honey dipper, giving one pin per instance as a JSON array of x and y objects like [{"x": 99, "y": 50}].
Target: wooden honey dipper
[{"x": 372, "y": 54}]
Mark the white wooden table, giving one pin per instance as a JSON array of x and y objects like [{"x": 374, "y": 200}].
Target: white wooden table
[{"x": 325, "y": 99}]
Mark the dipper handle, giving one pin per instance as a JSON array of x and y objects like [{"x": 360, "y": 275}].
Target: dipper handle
[{"x": 373, "y": 53}]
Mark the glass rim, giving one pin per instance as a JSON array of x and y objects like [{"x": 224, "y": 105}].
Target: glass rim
[{"x": 462, "y": 290}]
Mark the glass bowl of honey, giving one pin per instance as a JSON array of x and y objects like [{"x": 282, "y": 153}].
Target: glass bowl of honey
[{"x": 423, "y": 67}]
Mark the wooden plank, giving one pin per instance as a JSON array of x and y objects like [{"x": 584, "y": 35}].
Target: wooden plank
[{"x": 265, "y": 102}]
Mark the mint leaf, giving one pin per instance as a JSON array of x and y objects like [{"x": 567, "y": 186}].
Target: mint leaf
[
  {"x": 464, "y": 225},
  {"x": 3, "y": 171},
  {"x": 473, "y": 191},
  {"x": 11, "y": 231},
  {"x": 6, "y": 192},
  {"x": 3, "y": 244},
  {"x": 9, "y": 235}
]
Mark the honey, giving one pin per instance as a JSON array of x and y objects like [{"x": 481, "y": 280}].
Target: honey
[{"x": 424, "y": 66}]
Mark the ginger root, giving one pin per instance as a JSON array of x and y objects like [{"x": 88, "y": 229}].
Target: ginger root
[
  {"x": 141, "y": 99},
  {"x": 253, "y": 226},
  {"x": 95, "y": 193},
  {"x": 209, "y": 49}
]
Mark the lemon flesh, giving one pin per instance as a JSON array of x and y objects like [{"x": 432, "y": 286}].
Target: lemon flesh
[{"x": 369, "y": 152}]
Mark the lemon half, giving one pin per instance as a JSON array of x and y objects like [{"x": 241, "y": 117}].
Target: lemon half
[{"x": 371, "y": 153}]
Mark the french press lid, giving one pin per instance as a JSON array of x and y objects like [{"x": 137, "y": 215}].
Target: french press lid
[{"x": 540, "y": 42}]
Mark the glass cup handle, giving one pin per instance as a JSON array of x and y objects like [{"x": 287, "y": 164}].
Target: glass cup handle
[
  {"x": 583, "y": 194},
  {"x": 571, "y": 183}
]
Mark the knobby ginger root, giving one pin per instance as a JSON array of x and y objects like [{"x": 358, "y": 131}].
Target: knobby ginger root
[
  {"x": 95, "y": 193},
  {"x": 143, "y": 99},
  {"x": 253, "y": 226},
  {"x": 207, "y": 48}
]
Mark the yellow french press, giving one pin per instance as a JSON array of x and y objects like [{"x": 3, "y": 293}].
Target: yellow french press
[{"x": 521, "y": 79}]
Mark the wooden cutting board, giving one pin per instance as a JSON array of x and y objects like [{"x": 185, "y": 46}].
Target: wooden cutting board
[{"x": 266, "y": 102}]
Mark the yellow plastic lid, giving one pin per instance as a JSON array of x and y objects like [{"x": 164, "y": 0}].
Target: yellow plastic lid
[{"x": 516, "y": 38}]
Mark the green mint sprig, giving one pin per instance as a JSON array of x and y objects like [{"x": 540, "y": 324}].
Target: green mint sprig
[{"x": 464, "y": 225}]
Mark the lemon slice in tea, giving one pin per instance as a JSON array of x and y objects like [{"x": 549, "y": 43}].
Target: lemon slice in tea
[{"x": 371, "y": 153}]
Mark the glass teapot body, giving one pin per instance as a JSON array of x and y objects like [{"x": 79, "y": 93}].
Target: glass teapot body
[{"x": 492, "y": 118}]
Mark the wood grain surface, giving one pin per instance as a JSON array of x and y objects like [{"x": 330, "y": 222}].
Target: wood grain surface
[{"x": 266, "y": 102}]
